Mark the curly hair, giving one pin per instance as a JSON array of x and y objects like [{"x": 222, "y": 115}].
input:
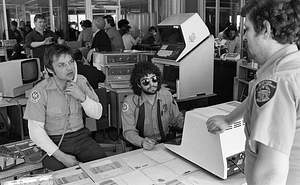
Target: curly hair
[
  {"x": 140, "y": 70},
  {"x": 283, "y": 16}
]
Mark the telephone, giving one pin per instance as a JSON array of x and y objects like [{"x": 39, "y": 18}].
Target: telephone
[{"x": 75, "y": 76}]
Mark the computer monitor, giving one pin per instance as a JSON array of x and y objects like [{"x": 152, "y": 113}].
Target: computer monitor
[
  {"x": 18, "y": 76},
  {"x": 170, "y": 74},
  {"x": 171, "y": 35}
]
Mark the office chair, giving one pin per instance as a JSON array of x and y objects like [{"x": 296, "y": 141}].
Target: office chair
[{"x": 102, "y": 123}]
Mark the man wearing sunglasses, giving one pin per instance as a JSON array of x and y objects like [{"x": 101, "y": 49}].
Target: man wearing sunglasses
[{"x": 148, "y": 113}]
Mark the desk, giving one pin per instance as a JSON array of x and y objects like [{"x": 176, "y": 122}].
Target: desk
[
  {"x": 15, "y": 111},
  {"x": 158, "y": 166}
]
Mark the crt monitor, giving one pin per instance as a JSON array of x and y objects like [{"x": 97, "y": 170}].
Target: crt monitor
[
  {"x": 18, "y": 76},
  {"x": 171, "y": 35},
  {"x": 170, "y": 75}
]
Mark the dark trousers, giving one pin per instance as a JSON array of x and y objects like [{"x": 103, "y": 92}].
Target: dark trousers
[{"x": 79, "y": 144}]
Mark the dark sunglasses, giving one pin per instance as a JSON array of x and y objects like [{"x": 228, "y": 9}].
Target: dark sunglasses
[{"x": 146, "y": 81}]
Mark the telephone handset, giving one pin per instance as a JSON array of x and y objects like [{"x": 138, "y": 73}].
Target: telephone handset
[{"x": 75, "y": 76}]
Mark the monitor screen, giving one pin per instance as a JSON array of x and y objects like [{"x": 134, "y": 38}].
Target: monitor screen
[
  {"x": 170, "y": 75},
  {"x": 30, "y": 71},
  {"x": 171, "y": 35}
]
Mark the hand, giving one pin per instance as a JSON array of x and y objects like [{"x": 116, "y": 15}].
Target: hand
[
  {"x": 217, "y": 124},
  {"x": 48, "y": 41},
  {"x": 148, "y": 143},
  {"x": 89, "y": 55},
  {"x": 66, "y": 159},
  {"x": 73, "y": 90},
  {"x": 60, "y": 41}
]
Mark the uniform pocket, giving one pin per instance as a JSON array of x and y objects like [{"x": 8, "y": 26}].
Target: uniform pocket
[{"x": 55, "y": 111}]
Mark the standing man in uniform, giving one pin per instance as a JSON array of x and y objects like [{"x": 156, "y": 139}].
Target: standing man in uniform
[
  {"x": 113, "y": 34},
  {"x": 272, "y": 110},
  {"x": 148, "y": 113},
  {"x": 54, "y": 113},
  {"x": 40, "y": 38}
]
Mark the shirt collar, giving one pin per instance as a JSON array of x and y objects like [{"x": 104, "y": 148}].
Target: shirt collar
[
  {"x": 276, "y": 57},
  {"x": 51, "y": 85}
]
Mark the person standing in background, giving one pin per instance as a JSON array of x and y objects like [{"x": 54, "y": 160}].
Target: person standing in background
[
  {"x": 128, "y": 40},
  {"x": 86, "y": 34},
  {"x": 271, "y": 111},
  {"x": 113, "y": 34},
  {"x": 152, "y": 37},
  {"x": 233, "y": 41},
  {"x": 122, "y": 24},
  {"x": 41, "y": 38}
]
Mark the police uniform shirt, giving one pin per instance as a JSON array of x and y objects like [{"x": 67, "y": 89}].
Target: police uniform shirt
[
  {"x": 48, "y": 104},
  {"x": 170, "y": 115},
  {"x": 272, "y": 113}
]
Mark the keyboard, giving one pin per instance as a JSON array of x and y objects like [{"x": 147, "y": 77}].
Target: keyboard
[
  {"x": 120, "y": 85},
  {"x": 26, "y": 150}
]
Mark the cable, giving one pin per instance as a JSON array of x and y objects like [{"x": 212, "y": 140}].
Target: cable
[
  {"x": 6, "y": 124},
  {"x": 236, "y": 165}
]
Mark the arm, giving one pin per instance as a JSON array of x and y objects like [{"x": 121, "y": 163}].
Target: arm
[
  {"x": 39, "y": 136},
  {"x": 219, "y": 123},
  {"x": 47, "y": 41},
  {"x": 101, "y": 76},
  {"x": 91, "y": 107},
  {"x": 271, "y": 166},
  {"x": 129, "y": 124},
  {"x": 237, "y": 48},
  {"x": 177, "y": 116}
]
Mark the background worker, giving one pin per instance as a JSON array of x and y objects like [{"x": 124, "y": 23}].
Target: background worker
[
  {"x": 113, "y": 34},
  {"x": 92, "y": 74},
  {"x": 233, "y": 41},
  {"x": 148, "y": 113},
  {"x": 41, "y": 38},
  {"x": 54, "y": 113},
  {"x": 271, "y": 110}
]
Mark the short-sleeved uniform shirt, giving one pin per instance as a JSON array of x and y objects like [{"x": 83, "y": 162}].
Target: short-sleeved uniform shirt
[
  {"x": 35, "y": 36},
  {"x": 115, "y": 39},
  {"x": 272, "y": 113},
  {"x": 49, "y": 105},
  {"x": 170, "y": 115}
]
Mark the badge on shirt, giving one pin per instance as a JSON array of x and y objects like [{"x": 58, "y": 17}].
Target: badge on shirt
[
  {"x": 125, "y": 107},
  {"x": 264, "y": 91},
  {"x": 35, "y": 96},
  {"x": 165, "y": 107}
]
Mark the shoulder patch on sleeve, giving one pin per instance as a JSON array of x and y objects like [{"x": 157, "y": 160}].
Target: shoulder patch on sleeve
[
  {"x": 125, "y": 107},
  {"x": 264, "y": 91},
  {"x": 35, "y": 96}
]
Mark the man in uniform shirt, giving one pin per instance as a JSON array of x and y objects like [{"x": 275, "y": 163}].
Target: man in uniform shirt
[
  {"x": 40, "y": 38},
  {"x": 54, "y": 113},
  {"x": 148, "y": 113},
  {"x": 272, "y": 110}
]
